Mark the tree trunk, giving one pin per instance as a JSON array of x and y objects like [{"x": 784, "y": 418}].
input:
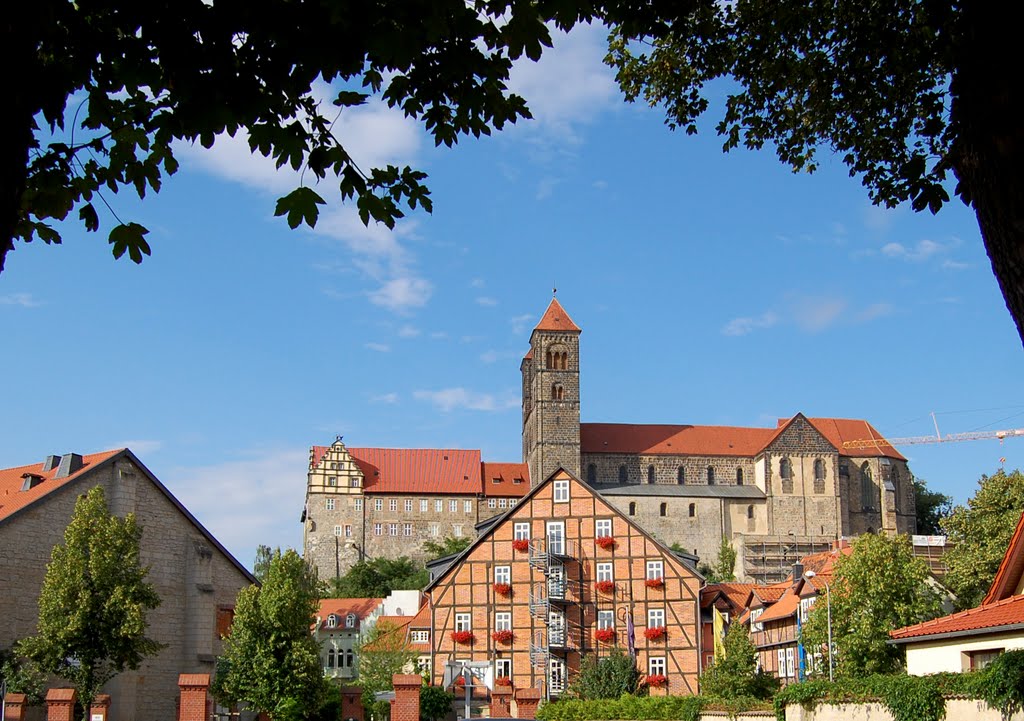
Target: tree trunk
[{"x": 988, "y": 156}]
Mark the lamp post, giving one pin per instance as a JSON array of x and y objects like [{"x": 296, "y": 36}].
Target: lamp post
[{"x": 828, "y": 611}]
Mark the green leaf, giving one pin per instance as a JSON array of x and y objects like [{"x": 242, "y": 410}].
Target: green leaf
[
  {"x": 300, "y": 205},
  {"x": 129, "y": 237}
]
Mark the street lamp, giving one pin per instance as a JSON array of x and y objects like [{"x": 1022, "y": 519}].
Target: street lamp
[{"x": 828, "y": 611}]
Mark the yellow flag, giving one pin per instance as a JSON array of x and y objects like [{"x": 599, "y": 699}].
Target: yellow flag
[{"x": 718, "y": 626}]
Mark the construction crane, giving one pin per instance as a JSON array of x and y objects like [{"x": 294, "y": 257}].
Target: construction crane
[{"x": 937, "y": 438}]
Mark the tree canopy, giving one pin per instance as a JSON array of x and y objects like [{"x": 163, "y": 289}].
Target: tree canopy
[
  {"x": 377, "y": 577},
  {"x": 910, "y": 95},
  {"x": 737, "y": 675},
  {"x": 980, "y": 533},
  {"x": 382, "y": 653},
  {"x": 271, "y": 661},
  {"x": 605, "y": 677},
  {"x": 94, "y": 601},
  {"x": 446, "y": 547},
  {"x": 724, "y": 568},
  {"x": 931, "y": 507},
  {"x": 879, "y": 587}
]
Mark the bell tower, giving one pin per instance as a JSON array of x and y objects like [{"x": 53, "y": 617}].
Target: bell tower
[{"x": 551, "y": 396}]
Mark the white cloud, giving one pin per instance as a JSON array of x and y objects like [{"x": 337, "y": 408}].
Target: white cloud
[
  {"x": 449, "y": 399},
  {"x": 477, "y": 283},
  {"x": 24, "y": 300},
  {"x": 379, "y": 347},
  {"x": 241, "y": 501},
  {"x": 520, "y": 323},
  {"x": 385, "y": 398},
  {"x": 743, "y": 326},
  {"x": 486, "y": 301},
  {"x": 923, "y": 250},
  {"x": 877, "y": 310},
  {"x": 403, "y": 293},
  {"x": 955, "y": 265},
  {"x": 816, "y": 314},
  {"x": 408, "y": 331}
]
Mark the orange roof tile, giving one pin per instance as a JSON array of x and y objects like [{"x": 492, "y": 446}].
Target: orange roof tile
[
  {"x": 529, "y": 355},
  {"x": 785, "y": 607},
  {"x": 342, "y": 607},
  {"x": 840, "y": 430},
  {"x": 418, "y": 470},
  {"x": 1011, "y": 568},
  {"x": 736, "y": 593},
  {"x": 555, "y": 318},
  {"x": 13, "y": 499},
  {"x": 672, "y": 440},
  {"x": 770, "y": 594},
  {"x": 507, "y": 475},
  {"x": 1008, "y": 612},
  {"x": 823, "y": 563},
  {"x": 316, "y": 454}
]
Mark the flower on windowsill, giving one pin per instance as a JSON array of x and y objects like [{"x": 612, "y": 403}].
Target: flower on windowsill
[
  {"x": 606, "y": 587},
  {"x": 521, "y": 545},
  {"x": 505, "y": 636},
  {"x": 503, "y": 589},
  {"x": 657, "y": 679},
  {"x": 655, "y": 583},
  {"x": 460, "y": 680},
  {"x": 605, "y": 542},
  {"x": 605, "y": 634},
  {"x": 503, "y": 681},
  {"x": 462, "y": 637},
  {"x": 654, "y": 633}
]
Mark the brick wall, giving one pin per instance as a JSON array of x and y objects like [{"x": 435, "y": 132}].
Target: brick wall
[{"x": 406, "y": 706}]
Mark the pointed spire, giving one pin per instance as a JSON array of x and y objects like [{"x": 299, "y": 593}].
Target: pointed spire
[{"x": 555, "y": 318}]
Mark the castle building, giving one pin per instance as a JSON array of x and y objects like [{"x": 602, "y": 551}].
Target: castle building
[{"x": 775, "y": 494}]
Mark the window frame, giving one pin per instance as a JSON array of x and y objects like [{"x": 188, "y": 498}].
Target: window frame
[
  {"x": 560, "y": 491},
  {"x": 604, "y": 571},
  {"x": 521, "y": 531},
  {"x": 603, "y": 528},
  {"x": 653, "y": 617},
  {"x": 655, "y": 570},
  {"x": 463, "y": 622},
  {"x": 503, "y": 574}
]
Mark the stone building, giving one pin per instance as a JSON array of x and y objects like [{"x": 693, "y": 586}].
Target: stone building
[
  {"x": 562, "y": 575},
  {"x": 195, "y": 576}
]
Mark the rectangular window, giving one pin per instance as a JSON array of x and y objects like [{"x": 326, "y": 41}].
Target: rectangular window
[
  {"x": 348, "y": 530},
  {"x": 503, "y": 668},
  {"x": 561, "y": 492},
  {"x": 393, "y": 505},
  {"x": 392, "y": 529},
  {"x": 492, "y": 503},
  {"x": 408, "y": 505},
  {"x": 353, "y": 482},
  {"x": 503, "y": 621},
  {"x": 424, "y": 505},
  {"x": 435, "y": 530},
  {"x": 503, "y": 574},
  {"x": 511, "y": 503},
  {"x": 463, "y": 622},
  {"x": 438, "y": 506},
  {"x": 467, "y": 506},
  {"x": 781, "y": 660},
  {"x": 605, "y": 619},
  {"x": 378, "y": 529},
  {"x": 604, "y": 571},
  {"x": 453, "y": 506},
  {"x": 756, "y": 625},
  {"x": 502, "y": 503},
  {"x": 332, "y": 481},
  {"x": 790, "y": 666},
  {"x": 337, "y": 530},
  {"x": 359, "y": 504},
  {"x": 378, "y": 504},
  {"x": 420, "y": 637},
  {"x": 656, "y": 666},
  {"x": 457, "y": 530},
  {"x": 603, "y": 528},
  {"x": 655, "y": 618},
  {"x": 406, "y": 529},
  {"x": 806, "y": 604},
  {"x": 521, "y": 531},
  {"x": 655, "y": 569},
  {"x": 330, "y": 504}
]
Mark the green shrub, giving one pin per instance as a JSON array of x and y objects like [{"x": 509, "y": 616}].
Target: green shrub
[{"x": 1004, "y": 683}]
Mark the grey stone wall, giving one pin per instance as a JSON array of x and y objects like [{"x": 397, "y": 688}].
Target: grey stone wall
[
  {"x": 551, "y": 426},
  {"x": 608, "y": 467}
]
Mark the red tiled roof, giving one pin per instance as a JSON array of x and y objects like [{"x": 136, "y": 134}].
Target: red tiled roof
[
  {"x": 672, "y": 440},
  {"x": 316, "y": 454},
  {"x": 785, "y": 607},
  {"x": 418, "y": 470},
  {"x": 529, "y": 355},
  {"x": 823, "y": 563},
  {"x": 1010, "y": 569},
  {"x": 1008, "y": 612},
  {"x": 422, "y": 618},
  {"x": 770, "y": 594},
  {"x": 555, "y": 318},
  {"x": 736, "y": 593},
  {"x": 840, "y": 430},
  {"x": 342, "y": 607},
  {"x": 399, "y": 626},
  {"x": 13, "y": 499},
  {"x": 507, "y": 474}
]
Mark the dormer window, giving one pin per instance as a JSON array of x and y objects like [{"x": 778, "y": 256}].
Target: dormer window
[
  {"x": 350, "y": 621},
  {"x": 30, "y": 481},
  {"x": 332, "y": 621}
]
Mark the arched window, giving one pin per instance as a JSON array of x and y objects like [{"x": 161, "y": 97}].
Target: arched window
[
  {"x": 819, "y": 476},
  {"x": 350, "y": 621},
  {"x": 693, "y": 510},
  {"x": 549, "y": 358},
  {"x": 623, "y": 476},
  {"x": 557, "y": 392},
  {"x": 591, "y": 473},
  {"x": 632, "y": 508},
  {"x": 564, "y": 362},
  {"x": 330, "y": 658},
  {"x": 332, "y": 621},
  {"x": 711, "y": 475},
  {"x": 681, "y": 475},
  {"x": 650, "y": 474},
  {"x": 867, "y": 487},
  {"x": 664, "y": 509},
  {"x": 786, "y": 471},
  {"x": 750, "y": 512},
  {"x": 739, "y": 476}
]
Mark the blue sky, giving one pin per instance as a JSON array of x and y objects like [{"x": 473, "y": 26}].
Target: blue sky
[{"x": 711, "y": 288}]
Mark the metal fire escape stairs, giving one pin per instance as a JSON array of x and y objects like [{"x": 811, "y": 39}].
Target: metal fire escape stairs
[{"x": 550, "y": 600}]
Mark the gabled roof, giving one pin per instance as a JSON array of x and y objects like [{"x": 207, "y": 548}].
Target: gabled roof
[
  {"x": 1004, "y": 615},
  {"x": 767, "y": 594},
  {"x": 735, "y": 593},
  {"x": 513, "y": 479},
  {"x": 785, "y": 607},
  {"x": 672, "y": 440},
  {"x": 13, "y": 499},
  {"x": 840, "y": 430},
  {"x": 1011, "y": 568},
  {"x": 823, "y": 563},
  {"x": 342, "y": 607},
  {"x": 555, "y": 318},
  {"x": 418, "y": 470}
]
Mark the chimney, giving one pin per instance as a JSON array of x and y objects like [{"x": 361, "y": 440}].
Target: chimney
[
  {"x": 51, "y": 462},
  {"x": 69, "y": 463},
  {"x": 798, "y": 571},
  {"x": 840, "y": 544}
]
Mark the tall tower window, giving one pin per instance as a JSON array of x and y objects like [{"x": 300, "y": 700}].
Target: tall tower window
[
  {"x": 623, "y": 475},
  {"x": 711, "y": 475},
  {"x": 650, "y": 474},
  {"x": 693, "y": 510},
  {"x": 867, "y": 487},
  {"x": 819, "y": 476},
  {"x": 663, "y": 511},
  {"x": 739, "y": 476},
  {"x": 591, "y": 473},
  {"x": 681, "y": 475},
  {"x": 786, "y": 471},
  {"x": 557, "y": 392},
  {"x": 556, "y": 359},
  {"x": 632, "y": 508},
  {"x": 750, "y": 512}
]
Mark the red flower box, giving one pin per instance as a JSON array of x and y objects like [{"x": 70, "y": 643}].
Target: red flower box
[
  {"x": 503, "y": 681},
  {"x": 606, "y": 587},
  {"x": 653, "y": 634},
  {"x": 460, "y": 680},
  {"x": 657, "y": 679},
  {"x": 503, "y": 589},
  {"x": 605, "y": 542},
  {"x": 655, "y": 583},
  {"x": 605, "y": 634},
  {"x": 462, "y": 636},
  {"x": 521, "y": 544},
  {"x": 503, "y": 636}
]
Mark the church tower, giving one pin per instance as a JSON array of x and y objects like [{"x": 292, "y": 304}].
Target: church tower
[{"x": 551, "y": 396}]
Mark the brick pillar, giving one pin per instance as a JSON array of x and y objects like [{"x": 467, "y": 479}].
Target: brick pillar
[
  {"x": 60, "y": 704},
  {"x": 501, "y": 702},
  {"x": 406, "y": 706},
  {"x": 351, "y": 703},
  {"x": 527, "y": 700},
  {"x": 14, "y": 706},
  {"x": 100, "y": 709},
  {"x": 194, "y": 704}
]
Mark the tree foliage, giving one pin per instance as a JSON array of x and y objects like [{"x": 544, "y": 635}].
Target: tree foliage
[
  {"x": 261, "y": 565},
  {"x": 106, "y": 90},
  {"x": 605, "y": 677},
  {"x": 94, "y": 601},
  {"x": 271, "y": 661},
  {"x": 737, "y": 675},
  {"x": 378, "y": 577},
  {"x": 435, "y": 703},
  {"x": 909, "y": 95},
  {"x": 724, "y": 568},
  {"x": 450, "y": 545},
  {"x": 931, "y": 507},
  {"x": 980, "y": 533},
  {"x": 382, "y": 653},
  {"x": 19, "y": 674},
  {"x": 879, "y": 587}
]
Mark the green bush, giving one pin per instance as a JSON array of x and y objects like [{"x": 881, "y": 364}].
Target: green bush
[
  {"x": 1004, "y": 683},
  {"x": 605, "y": 678}
]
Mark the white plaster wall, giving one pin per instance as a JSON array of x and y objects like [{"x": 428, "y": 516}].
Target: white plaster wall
[{"x": 939, "y": 656}]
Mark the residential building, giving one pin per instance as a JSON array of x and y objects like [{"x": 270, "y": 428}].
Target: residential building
[
  {"x": 729, "y": 601},
  {"x": 196, "y": 578}
]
